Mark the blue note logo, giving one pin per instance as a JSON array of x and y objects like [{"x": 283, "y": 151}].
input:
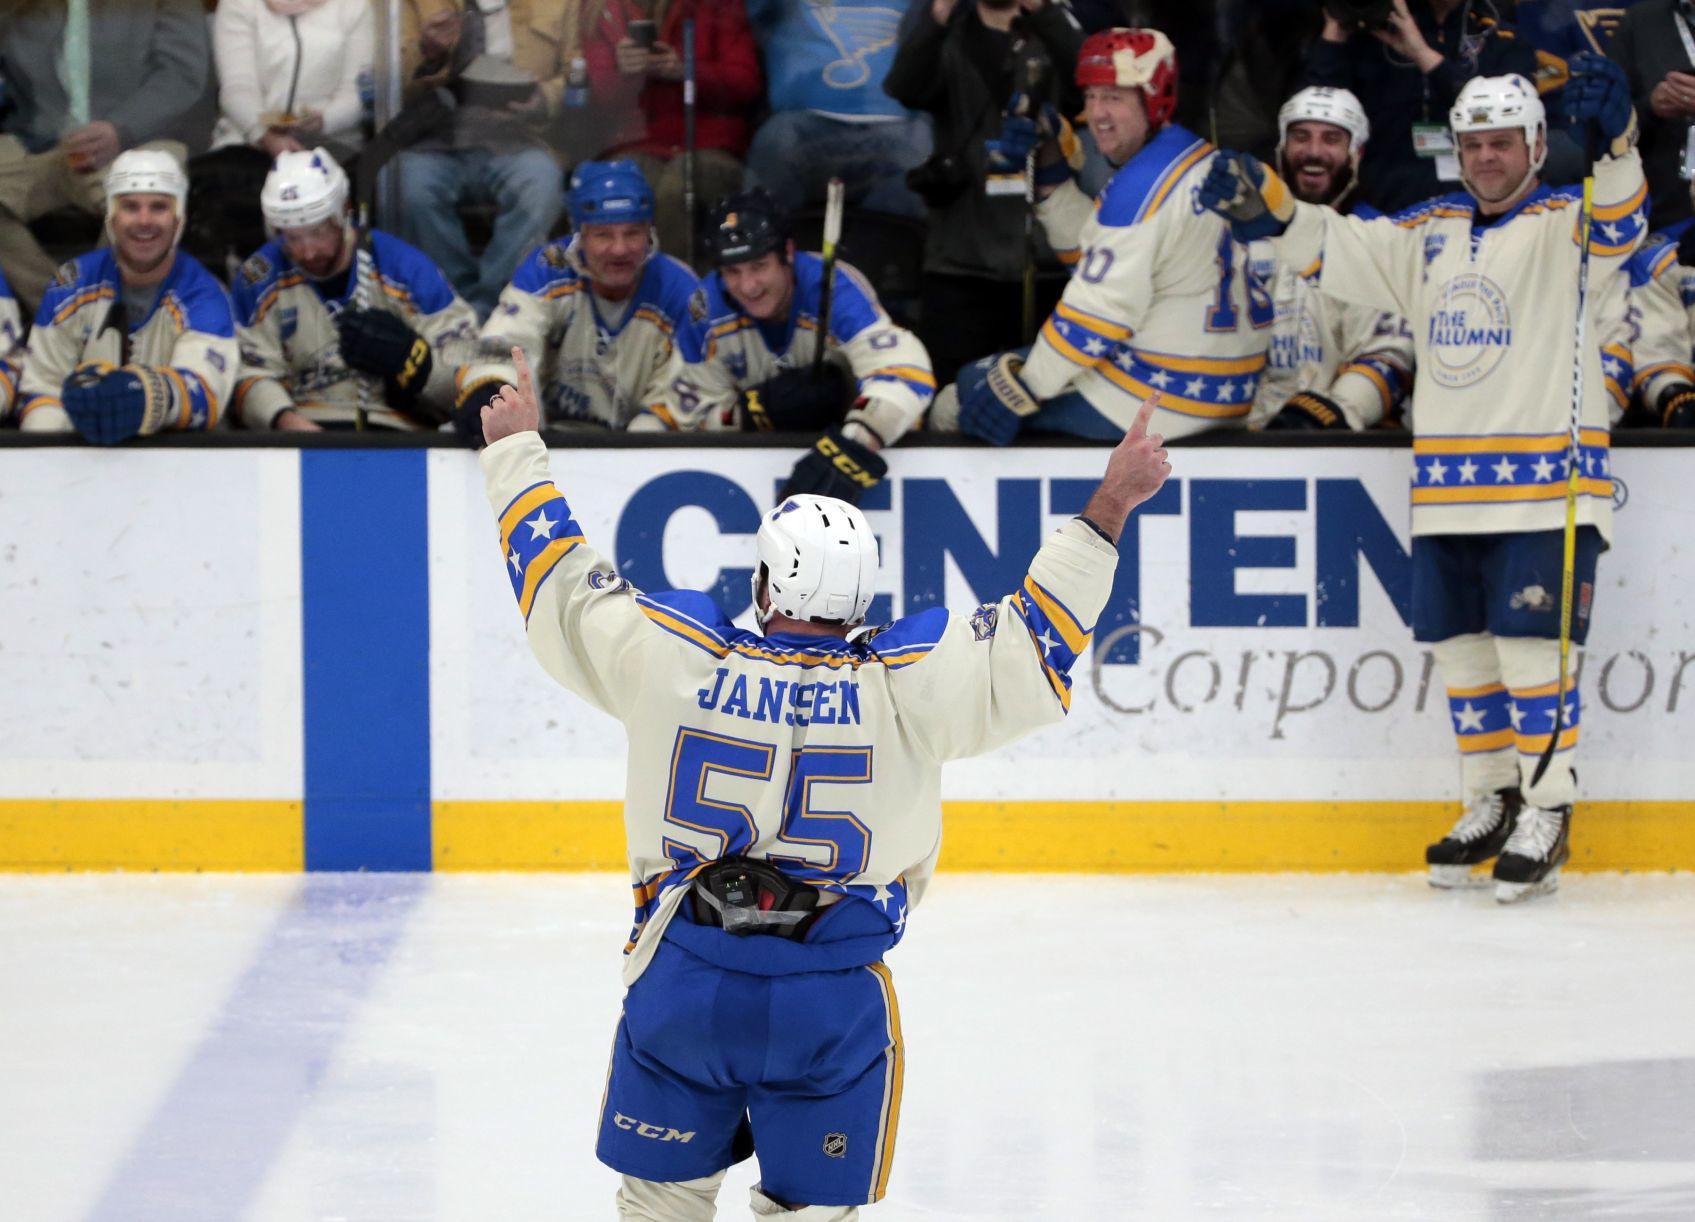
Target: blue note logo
[{"x": 1470, "y": 331}]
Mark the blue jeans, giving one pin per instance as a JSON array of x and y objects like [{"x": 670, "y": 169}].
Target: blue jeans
[
  {"x": 795, "y": 153},
  {"x": 527, "y": 189}
]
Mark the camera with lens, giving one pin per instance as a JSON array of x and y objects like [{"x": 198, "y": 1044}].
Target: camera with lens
[
  {"x": 940, "y": 180},
  {"x": 1361, "y": 14}
]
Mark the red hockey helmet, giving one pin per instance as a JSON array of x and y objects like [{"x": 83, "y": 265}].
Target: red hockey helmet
[{"x": 1133, "y": 59}]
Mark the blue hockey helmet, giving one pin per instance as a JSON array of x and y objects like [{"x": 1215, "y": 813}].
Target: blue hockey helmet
[{"x": 608, "y": 193}]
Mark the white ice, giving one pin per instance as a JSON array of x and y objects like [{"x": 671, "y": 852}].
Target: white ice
[{"x": 388, "y": 1048}]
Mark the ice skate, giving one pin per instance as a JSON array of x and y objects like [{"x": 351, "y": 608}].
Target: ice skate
[
  {"x": 1530, "y": 863},
  {"x": 1479, "y": 835}
]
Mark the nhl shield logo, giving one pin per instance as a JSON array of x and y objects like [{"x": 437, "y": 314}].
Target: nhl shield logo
[{"x": 835, "y": 1145}]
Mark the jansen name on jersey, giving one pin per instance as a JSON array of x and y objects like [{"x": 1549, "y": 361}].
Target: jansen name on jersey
[{"x": 821, "y": 754}]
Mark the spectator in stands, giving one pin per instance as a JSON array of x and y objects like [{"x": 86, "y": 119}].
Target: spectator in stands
[
  {"x": 640, "y": 89},
  {"x": 1655, "y": 45},
  {"x": 752, "y": 346},
  {"x": 135, "y": 337},
  {"x": 341, "y": 329},
  {"x": 598, "y": 315},
  {"x": 1333, "y": 364},
  {"x": 11, "y": 349},
  {"x": 1263, "y": 64},
  {"x": 1407, "y": 75},
  {"x": 289, "y": 74},
  {"x": 137, "y": 73},
  {"x": 962, "y": 60},
  {"x": 830, "y": 117},
  {"x": 507, "y": 66}
]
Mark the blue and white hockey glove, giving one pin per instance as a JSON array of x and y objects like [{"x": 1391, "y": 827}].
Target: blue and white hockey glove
[
  {"x": 1019, "y": 137},
  {"x": 1599, "y": 91},
  {"x": 993, "y": 400},
  {"x": 1248, "y": 195},
  {"x": 112, "y": 405}
]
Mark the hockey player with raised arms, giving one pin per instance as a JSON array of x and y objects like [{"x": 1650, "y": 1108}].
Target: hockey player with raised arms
[
  {"x": 1488, "y": 279},
  {"x": 598, "y": 314},
  {"x": 341, "y": 328},
  {"x": 135, "y": 337},
  {"x": 1160, "y": 296},
  {"x": 1333, "y": 364},
  {"x": 11, "y": 348},
  {"x": 752, "y": 336},
  {"x": 782, "y": 813}
]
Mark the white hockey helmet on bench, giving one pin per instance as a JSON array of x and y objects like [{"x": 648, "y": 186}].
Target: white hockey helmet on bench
[
  {"x": 146, "y": 172},
  {"x": 817, "y": 561},
  {"x": 303, "y": 189},
  {"x": 1325, "y": 104},
  {"x": 1500, "y": 103}
]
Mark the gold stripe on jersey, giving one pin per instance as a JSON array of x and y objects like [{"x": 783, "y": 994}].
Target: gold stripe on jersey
[
  {"x": 894, "y": 1079},
  {"x": 1467, "y": 494},
  {"x": 1525, "y": 443},
  {"x": 537, "y": 570},
  {"x": 1169, "y": 179},
  {"x": 1076, "y": 636},
  {"x": 88, "y": 296}
]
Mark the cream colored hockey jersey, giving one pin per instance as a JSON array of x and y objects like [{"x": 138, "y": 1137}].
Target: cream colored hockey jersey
[
  {"x": 1662, "y": 294},
  {"x": 291, "y": 351},
  {"x": 617, "y": 364},
  {"x": 1493, "y": 313},
  {"x": 728, "y": 351},
  {"x": 823, "y": 754},
  {"x": 189, "y": 333},
  {"x": 11, "y": 349},
  {"x": 1160, "y": 297},
  {"x": 1358, "y": 357}
]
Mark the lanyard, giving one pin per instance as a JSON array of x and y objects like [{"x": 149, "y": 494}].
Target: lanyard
[{"x": 1683, "y": 33}]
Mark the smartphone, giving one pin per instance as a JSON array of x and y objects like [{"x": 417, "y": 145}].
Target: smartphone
[{"x": 643, "y": 33}]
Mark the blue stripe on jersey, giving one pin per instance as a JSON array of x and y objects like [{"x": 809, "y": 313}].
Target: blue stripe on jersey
[
  {"x": 204, "y": 304},
  {"x": 411, "y": 269},
  {"x": 1144, "y": 182},
  {"x": 536, "y": 533}
]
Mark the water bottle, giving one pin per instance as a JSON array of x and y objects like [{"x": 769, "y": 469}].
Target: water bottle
[{"x": 577, "y": 84}]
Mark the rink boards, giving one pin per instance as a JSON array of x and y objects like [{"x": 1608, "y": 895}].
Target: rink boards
[{"x": 285, "y": 659}]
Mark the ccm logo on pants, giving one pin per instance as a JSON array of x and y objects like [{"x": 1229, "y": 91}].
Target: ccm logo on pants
[{"x": 654, "y": 1131}]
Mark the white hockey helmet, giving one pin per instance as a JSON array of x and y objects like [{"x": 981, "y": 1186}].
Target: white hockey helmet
[
  {"x": 817, "y": 560},
  {"x": 1323, "y": 104},
  {"x": 303, "y": 189},
  {"x": 146, "y": 172},
  {"x": 1495, "y": 103}
]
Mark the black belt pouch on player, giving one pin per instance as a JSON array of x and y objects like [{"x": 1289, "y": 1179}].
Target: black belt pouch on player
[{"x": 743, "y": 896}]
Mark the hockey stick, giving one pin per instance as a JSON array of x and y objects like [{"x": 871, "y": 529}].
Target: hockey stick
[
  {"x": 688, "y": 138},
  {"x": 826, "y": 289},
  {"x": 1028, "y": 329},
  {"x": 363, "y": 272},
  {"x": 1574, "y": 474}
]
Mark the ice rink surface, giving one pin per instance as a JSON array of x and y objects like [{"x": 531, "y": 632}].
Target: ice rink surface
[{"x": 380, "y": 1048}]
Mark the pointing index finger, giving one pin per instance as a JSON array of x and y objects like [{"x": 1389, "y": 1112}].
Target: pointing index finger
[
  {"x": 1139, "y": 426},
  {"x": 526, "y": 381}
]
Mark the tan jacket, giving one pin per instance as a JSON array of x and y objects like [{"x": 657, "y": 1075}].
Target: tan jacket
[{"x": 544, "y": 40}]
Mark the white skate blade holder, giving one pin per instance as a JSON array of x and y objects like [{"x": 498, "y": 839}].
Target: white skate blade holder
[
  {"x": 1518, "y": 893},
  {"x": 1460, "y": 877}
]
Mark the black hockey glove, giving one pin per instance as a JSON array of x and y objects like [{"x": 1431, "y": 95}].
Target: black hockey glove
[
  {"x": 1305, "y": 411},
  {"x": 836, "y": 466},
  {"x": 1686, "y": 247},
  {"x": 794, "y": 401},
  {"x": 380, "y": 344},
  {"x": 468, "y": 412},
  {"x": 1677, "y": 406}
]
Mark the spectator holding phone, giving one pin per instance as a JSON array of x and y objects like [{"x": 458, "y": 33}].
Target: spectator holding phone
[
  {"x": 1655, "y": 45},
  {"x": 634, "y": 50},
  {"x": 288, "y": 74}
]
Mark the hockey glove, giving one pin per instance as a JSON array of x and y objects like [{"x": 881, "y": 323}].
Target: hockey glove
[
  {"x": 1018, "y": 138},
  {"x": 836, "y": 466},
  {"x": 1686, "y": 247},
  {"x": 1677, "y": 406},
  {"x": 796, "y": 401},
  {"x": 1307, "y": 410},
  {"x": 1248, "y": 195},
  {"x": 382, "y": 345},
  {"x": 1600, "y": 91},
  {"x": 112, "y": 405},
  {"x": 468, "y": 412},
  {"x": 993, "y": 400}
]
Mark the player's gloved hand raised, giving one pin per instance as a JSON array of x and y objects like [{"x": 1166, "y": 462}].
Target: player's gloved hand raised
[
  {"x": 1019, "y": 137},
  {"x": 1677, "y": 406},
  {"x": 1599, "y": 90},
  {"x": 1307, "y": 410},
  {"x": 837, "y": 466},
  {"x": 111, "y": 405},
  {"x": 1248, "y": 195},
  {"x": 993, "y": 400},
  {"x": 382, "y": 345},
  {"x": 796, "y": 401}
]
